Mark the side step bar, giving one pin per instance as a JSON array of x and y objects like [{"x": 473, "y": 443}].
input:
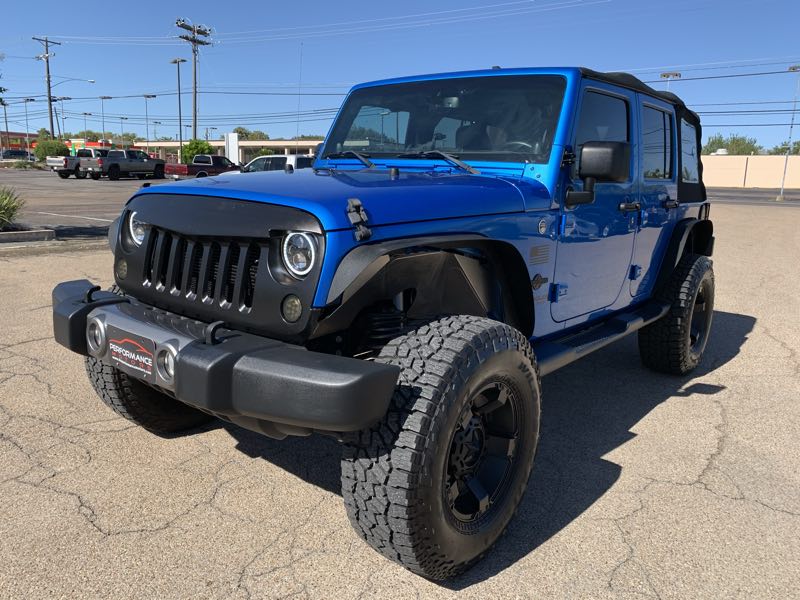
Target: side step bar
[{"x": 557, "y": 353}]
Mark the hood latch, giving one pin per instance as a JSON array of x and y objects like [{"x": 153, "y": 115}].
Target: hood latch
[{"x": 358, "y": 219}]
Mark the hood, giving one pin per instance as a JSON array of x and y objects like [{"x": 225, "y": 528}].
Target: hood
[{"x": 410, "y": 197}]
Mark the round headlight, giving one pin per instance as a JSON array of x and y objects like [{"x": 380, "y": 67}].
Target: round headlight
[
  {"x": 299, "y": 252},
  {"x": 136, "y": 229}
]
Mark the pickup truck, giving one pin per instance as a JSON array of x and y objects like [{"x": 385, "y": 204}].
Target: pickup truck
[
  {"x": 123, "y": 163},
  {"x": 203, "y": 165},
  {"x": 406, "y": 295},
  {"x": 65, "y": 166}
]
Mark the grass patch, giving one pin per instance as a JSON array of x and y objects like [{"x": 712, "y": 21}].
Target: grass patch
[{"x": 11, "y": 203}]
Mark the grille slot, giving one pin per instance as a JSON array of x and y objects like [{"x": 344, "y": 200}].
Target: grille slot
[{"x": 209, "y": 271}]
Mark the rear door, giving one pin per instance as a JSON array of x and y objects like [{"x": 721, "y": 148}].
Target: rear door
[
  {"x": 594, "y": 250},
  {"x": 659, "y": 191}
]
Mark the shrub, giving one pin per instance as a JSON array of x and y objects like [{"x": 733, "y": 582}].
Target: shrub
[
  {"x": 45, "y": 148},
  {"x": 193, "y": 148},
  {"x": 10, "y": 205}
]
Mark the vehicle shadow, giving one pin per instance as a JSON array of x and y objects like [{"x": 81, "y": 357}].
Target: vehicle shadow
[{"x": 588, "y": 410}]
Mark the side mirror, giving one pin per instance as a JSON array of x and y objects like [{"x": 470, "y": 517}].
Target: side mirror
[{"x": 600, "y": 161}]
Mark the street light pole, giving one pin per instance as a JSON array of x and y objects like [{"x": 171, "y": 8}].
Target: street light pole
[
  {"x": 177, "y": 62},
  {"x": 3, "y": 103},
  {"x": 155, "y": 131},
  {"x": 146, "y": 120},
  {"x": 103, "y": 115},
  {"x": 63, "y": 117},
  {"x": 209, "y": 129},
  {"x": 85, "y": 138},
  {"x": 669, "y": 76},
  {"x": 121, "y": 138},
  {"x": 27, "y": 139},
  {"x": 793, "y": 69}
]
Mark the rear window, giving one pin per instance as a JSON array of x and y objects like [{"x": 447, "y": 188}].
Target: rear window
[
  {"x": 202, "y": 159},
  {"x": 83, "y": 153},
  {"x": 690, "y": 166}
]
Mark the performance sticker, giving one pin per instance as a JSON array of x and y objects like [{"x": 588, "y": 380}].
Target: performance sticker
[{"x": 132, "y": 353}]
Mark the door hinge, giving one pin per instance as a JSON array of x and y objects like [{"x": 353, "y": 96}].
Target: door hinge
[
  {"x": 358, "y": 219},
  {"x": 557, "y": 290},
  {"x": 569, "y": 158}
]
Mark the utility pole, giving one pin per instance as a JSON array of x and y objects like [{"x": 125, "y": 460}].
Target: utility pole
[
  {"x": 3, "y": 103},
  {"x": 195, "y": 38},
  {"x": 147, "y": 120},
  {"x": 793, "y": 69},
  {"x": 46, "y": 58},
  {"x": 63, "y": 116},
  {"x": 5, "y": 115},
  {"x": 177, "y": 62}
]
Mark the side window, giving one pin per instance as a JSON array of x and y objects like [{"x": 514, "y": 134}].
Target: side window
[
  {"x": 277, "y": 163},
  {"x": 690, "y": 167},
  {"x": 303, "y": 162},
  {"x": 202, "y": 159},
  {"x": 656, "y": 143},
  {"x": 603, "y": 118},
  {"x": 258, "y": 165}
]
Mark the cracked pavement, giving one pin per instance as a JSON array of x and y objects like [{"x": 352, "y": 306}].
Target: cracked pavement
[{"x": 644, "y": 485}]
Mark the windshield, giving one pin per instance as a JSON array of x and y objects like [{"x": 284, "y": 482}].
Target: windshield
[{"x": 509, "y": 118}]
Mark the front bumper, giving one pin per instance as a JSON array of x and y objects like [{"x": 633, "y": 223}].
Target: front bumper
[{"x": 260, "y": 383}]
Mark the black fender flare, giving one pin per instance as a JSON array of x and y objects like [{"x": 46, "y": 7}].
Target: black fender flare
[
  {"x": 368, "y": 271},
  {"x": 690, "y": 235}
]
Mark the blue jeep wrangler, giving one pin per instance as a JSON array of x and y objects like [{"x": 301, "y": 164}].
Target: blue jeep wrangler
[{"x": 459, "y": 236}]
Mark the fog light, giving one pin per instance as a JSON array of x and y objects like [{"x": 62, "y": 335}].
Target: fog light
[
  {"x": 96, "y": 337},
  {"x": 121, "y": 268},
  {"x": 165, "y": 360},
  {"x": 291, "y": 308}
]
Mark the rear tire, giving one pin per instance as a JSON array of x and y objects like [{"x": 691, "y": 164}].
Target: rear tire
[
  {"x": 675, "y": 343},
  {"x": 158, "y": 172},
  {"x": 113, "y": 173},
  {"x": 436, "y": 482}
]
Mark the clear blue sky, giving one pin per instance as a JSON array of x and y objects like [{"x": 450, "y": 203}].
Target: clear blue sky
[{"x": 126, "y": 48}]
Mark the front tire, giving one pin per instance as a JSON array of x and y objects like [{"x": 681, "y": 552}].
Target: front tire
[
  {"x": 64, "y": 174},
  {"x": 436, "y": 482},
  {"x": 140, "y": 403},
  {"x": 675, "y": 343},
  {"x": 79, "y": 174}
]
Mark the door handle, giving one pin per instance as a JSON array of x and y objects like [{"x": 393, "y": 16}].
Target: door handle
[
  {"x": 669, "y": 203},
  {"x": 629, "y": 206}
]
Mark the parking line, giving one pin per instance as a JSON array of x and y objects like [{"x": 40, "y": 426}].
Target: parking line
[{"x": 73, "y": 217}]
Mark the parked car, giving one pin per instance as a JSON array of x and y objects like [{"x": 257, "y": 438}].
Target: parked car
[
  {"x": 123, "y": 163},
  {"x": 407, "y": 294},
  {"x": 12, "y": 154},
  {"x": 278, "y": 162},
  {"x": 203, "y": 165}
]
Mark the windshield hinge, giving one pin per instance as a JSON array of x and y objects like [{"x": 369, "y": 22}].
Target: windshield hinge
[
  {"x": 569, "y": 157},
  {"x": 358, "y": 219}
]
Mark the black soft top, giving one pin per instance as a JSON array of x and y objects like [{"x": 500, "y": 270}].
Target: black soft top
[{"x": 690, "y": 192}]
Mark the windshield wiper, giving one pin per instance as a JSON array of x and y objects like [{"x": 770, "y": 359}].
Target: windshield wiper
[
  {"x": 353, "y": 154},
  {"x": 444, "y": 156}
]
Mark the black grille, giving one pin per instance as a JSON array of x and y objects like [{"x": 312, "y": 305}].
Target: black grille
[{"x": 210, "y": 272}]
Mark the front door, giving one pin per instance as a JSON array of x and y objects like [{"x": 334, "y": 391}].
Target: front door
[{"x": 594, "y": 251}]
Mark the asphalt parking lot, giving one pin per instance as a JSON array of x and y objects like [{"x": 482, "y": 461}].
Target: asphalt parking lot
[{"x": 644, "y": 485}]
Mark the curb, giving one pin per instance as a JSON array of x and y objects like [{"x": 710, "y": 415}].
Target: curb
[
  {"x": 53, "y": 246},
  {"x": 30, "y": 235}
]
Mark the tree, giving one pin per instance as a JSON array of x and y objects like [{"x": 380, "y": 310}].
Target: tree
[
  {"x": 307, "y": 137},
  {"x": 44, "y": 134},
  {"x": 45, "y": 148},
  {"x": 734, "y": 144},
  {"x": 781, "y": 148},
  {"x": 265, "y": 152},
  {"x": 193, "y": 148},
  {"x": 246, "y": 134}
]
